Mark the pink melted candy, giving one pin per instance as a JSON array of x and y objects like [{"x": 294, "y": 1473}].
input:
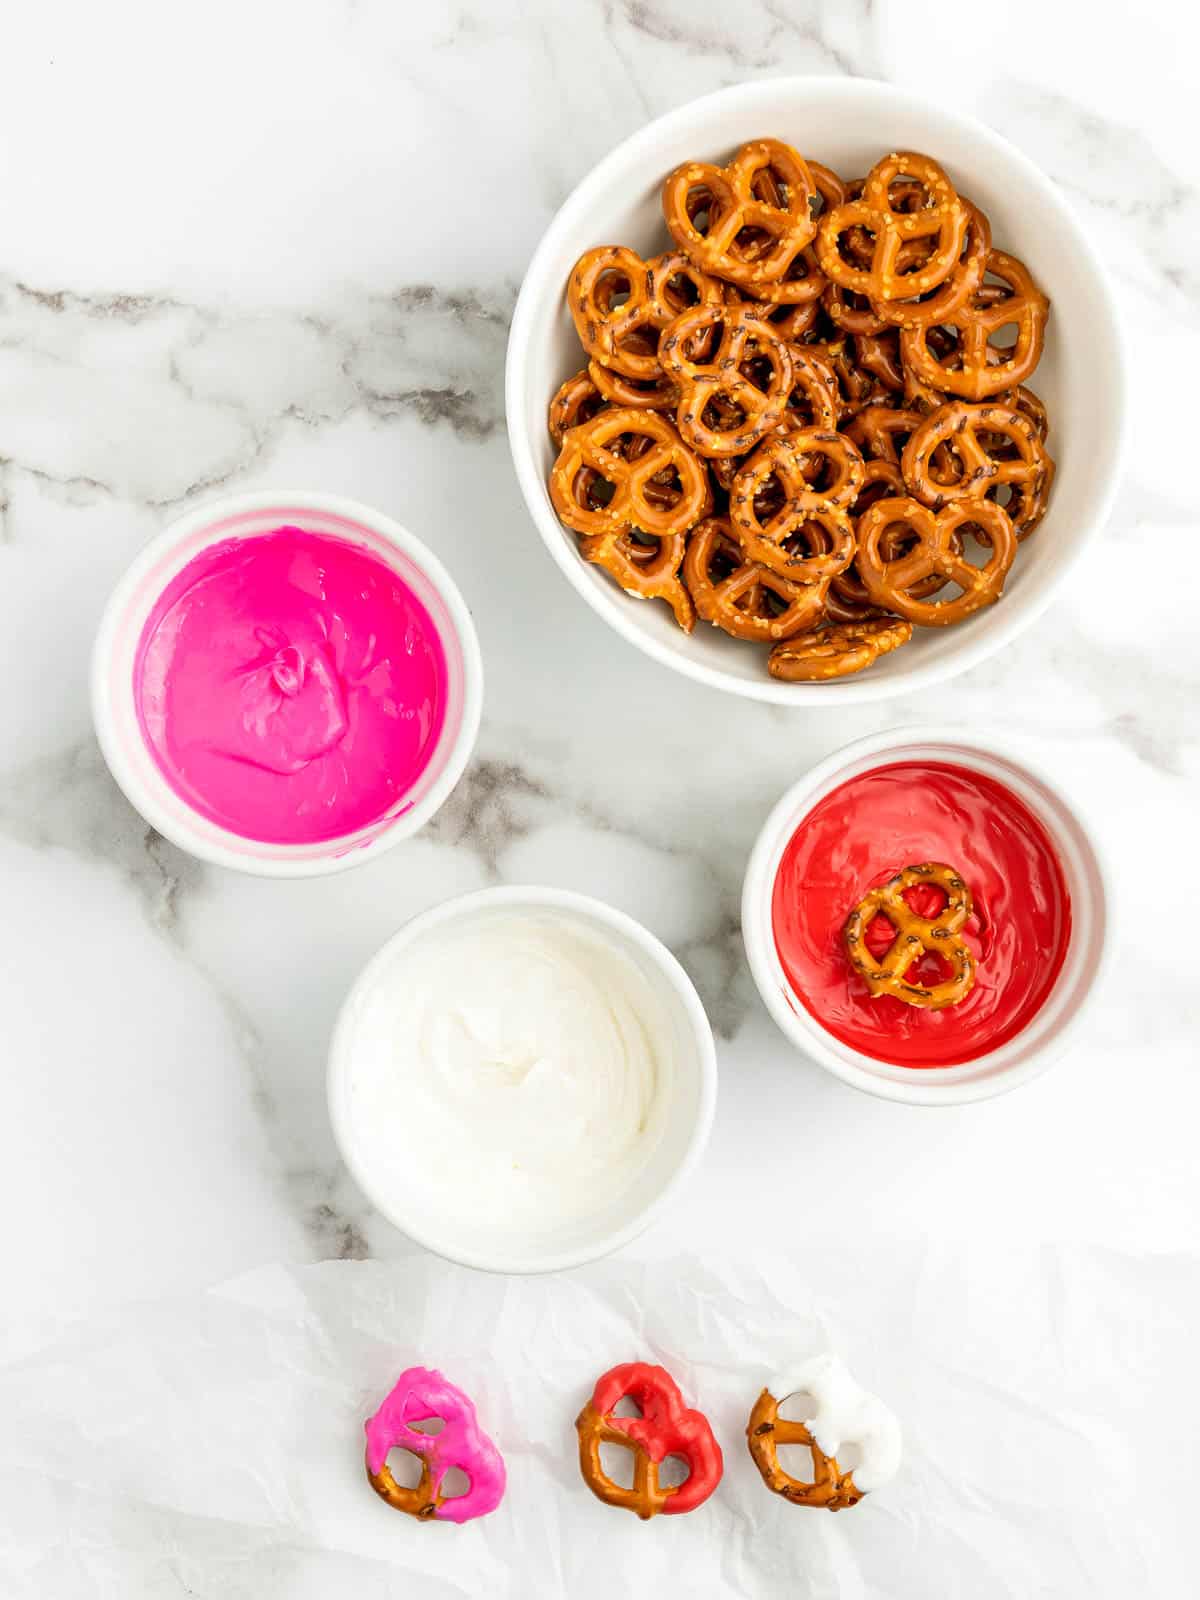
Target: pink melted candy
[
  {"x": 421, "y": 1394},
  {"x": 292, "y": 687}
]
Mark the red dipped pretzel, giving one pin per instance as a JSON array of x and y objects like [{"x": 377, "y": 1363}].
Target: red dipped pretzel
[
  {"x": 915, "y": 935},
  {"x": 666, "y": 1427}
]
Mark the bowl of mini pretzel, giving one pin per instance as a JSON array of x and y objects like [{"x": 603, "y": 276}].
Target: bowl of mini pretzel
[{"x": 826, "y": 377}]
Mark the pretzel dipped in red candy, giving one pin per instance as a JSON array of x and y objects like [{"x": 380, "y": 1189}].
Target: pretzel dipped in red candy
[
  {"x": 665, "y": 1427},
  {"x": 422, "y": 1394},
  {"x": 916, "y": 933},
  {"x": 758, "y": 215},
  {"x": 828, "y": 395}
]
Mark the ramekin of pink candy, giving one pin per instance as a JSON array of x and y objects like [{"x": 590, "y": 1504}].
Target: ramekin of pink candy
[{"x": 286, "y": 683}]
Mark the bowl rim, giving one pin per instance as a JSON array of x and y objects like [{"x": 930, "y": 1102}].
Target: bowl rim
[
  {"x": 535, "y": 294},
  {"x": 967, "y": 1082},
  {"x": 342, "y": 854},
  {"x": 613, "y": 921}
]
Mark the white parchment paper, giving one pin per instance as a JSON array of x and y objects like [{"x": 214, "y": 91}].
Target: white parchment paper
[{"x": 213, "y": 1446}]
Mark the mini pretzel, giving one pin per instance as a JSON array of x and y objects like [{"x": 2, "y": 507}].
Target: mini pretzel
[
  {"x": 1029, "y": 405},
  {"x": 891, "y": 580},
  {"x": 590, "y": 456},
  {"x": 855, "y": 313},
  {"x": 915, "y": 936},
  {"x": 792, "y": 304},
  {"x": 646, "y": 568},
  {"x": 625, "y": 337},
  {"x": 665, "y": 1427},
  {"x": 742, "y": 337},
  {"x": 742, "y": 598},
  {"x": 759, "y": 218},
  {"x": 831, "y": 1489},
  {"x": 960, "y": 284},
  {"x": 1027, "y": 502},
  {"x": 813, "y": 400},
  {"x": 577, "y": 400},
  {"x": 848, "y": 600},
  {"x": 850, "y": 312},
  {"x": 942, "y": 220},
  {"x": 995, "y": 447},
  {"x": 783, "y": 460},
  {"x": 422, "y": 1394},
  {"x": 882, "y": 431},
  {"x": 973, "y": 368},
  {"x": 649, "y": 394},
  {"x": 904, "y": 194},
  {"x": 835, "y": 652},
  {"x": 843, "y": 1415}
]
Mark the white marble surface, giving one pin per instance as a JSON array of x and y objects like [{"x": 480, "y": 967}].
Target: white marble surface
[{"x": 265, "y": 244}]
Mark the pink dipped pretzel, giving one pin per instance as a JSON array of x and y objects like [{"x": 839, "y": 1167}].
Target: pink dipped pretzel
[{"x": 422, "y": 1395}]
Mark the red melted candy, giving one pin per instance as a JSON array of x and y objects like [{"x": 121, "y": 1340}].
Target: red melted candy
[{"x": 869, "y": 829}]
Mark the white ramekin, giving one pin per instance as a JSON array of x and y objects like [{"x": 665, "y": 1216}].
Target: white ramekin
[
  {"x": 559, "y": 1245},
  {"x": 848, "y": 123},
  {"x": 1044, "y": 1039},
  {"x": 248, "y": 516}
]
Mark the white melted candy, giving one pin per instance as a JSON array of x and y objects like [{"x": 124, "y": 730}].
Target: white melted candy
[
  {"x": 844, "y": 1413},
  {"x": 514, "y": 1066}
]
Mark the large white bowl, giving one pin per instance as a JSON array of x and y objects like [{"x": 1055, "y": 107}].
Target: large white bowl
[
  {"x": 848, "y": 123},
  {"x": 1047, "y": 1034},
  {"x": 496, "y": 1244}
]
